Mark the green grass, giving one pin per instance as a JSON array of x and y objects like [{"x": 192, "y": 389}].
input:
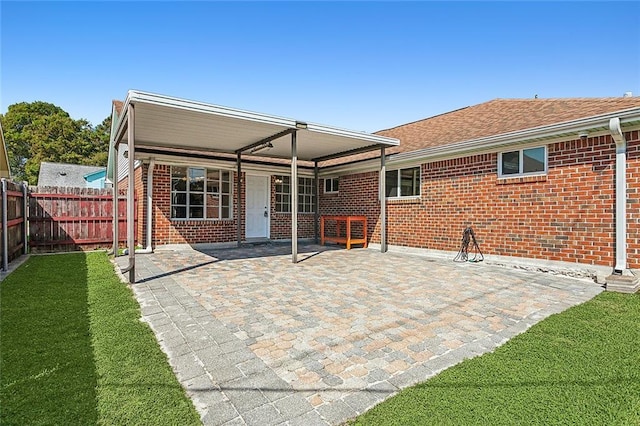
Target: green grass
[
  {"x": 74, "y": 351},
  {"x": 578, "y": 367}
]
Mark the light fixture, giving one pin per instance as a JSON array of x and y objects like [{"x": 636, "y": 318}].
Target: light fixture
[
  {"x": 125, "y": 153},
  {"x": 301, "y": 125},
  {"x": 583, "y": 135},
  {"x": 261, "y": 147}
]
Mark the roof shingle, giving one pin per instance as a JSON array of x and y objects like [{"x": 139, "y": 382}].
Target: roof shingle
[{"x": 492, "y": 118}]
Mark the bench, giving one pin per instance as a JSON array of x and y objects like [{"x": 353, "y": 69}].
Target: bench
[{"x": 347, "y": 238}]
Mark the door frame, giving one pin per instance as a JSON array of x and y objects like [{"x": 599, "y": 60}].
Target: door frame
[{"x": 246, "y": 193}]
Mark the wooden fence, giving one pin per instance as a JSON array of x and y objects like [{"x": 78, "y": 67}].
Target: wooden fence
[
  {"x": 69, "y": 219},
  {"x": 14, "y": 225}
]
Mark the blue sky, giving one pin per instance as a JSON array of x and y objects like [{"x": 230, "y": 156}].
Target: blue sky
[{"x": 359, "y": 65}]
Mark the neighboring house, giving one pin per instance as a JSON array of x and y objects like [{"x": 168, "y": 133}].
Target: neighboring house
[
  {"x": 536, "y": 178},
  {"x": 71, "y": 175},
  {"x": 5, "y": 170}
]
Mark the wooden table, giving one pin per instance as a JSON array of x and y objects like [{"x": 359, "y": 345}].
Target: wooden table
[{"x": 347, "y": 238}]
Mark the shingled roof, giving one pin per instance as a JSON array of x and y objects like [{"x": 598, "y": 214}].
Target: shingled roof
[
  {"x": 63, "y": 174},
  {"x": 495, "y": 117}
]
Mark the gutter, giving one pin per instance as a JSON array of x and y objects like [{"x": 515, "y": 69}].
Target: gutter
[{"x": 621, "y": 195}]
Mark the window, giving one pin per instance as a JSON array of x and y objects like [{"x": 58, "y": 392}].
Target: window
[
  {"x": 403, "y": 183},
  {"x": 306, "y": 194},
  {"x": 199, "y": 193},
  {"x": 331, "y": 185},
  {"x": 523, "y": 162}
]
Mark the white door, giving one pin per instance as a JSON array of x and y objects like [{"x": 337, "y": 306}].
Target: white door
[{"x": 257, "y": 207}]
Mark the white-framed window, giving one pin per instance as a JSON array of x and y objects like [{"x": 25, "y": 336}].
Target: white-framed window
[
  {"x": 306, "y": 194},
  {"x": 331, "y": 185},
  {"x": 402, "y": 183},
  {"x": 522, "y": 162},
  {"x": 199, "y": 193}
]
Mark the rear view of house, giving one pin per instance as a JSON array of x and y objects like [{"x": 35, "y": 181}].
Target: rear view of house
[{"x": 550, "y": 179}]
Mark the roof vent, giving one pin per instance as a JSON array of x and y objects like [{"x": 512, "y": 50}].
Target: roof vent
[
  {"x": 62, "y": 173},
  {"x": 627, "y": 94}
]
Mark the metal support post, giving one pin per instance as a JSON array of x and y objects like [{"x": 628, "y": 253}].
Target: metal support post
[{"x": 294, "y": 198}]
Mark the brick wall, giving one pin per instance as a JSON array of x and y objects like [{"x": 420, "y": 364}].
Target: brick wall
[
  {"x": 568, "y": 215},
  {"x": 167, "y": 231},
  {"x": 357, "y": 195}
]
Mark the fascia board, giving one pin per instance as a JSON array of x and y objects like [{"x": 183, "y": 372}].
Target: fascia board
[{"x": 135, "y": 96}]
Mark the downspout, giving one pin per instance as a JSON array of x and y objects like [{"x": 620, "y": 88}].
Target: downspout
[{"x": 621, "y": 195}]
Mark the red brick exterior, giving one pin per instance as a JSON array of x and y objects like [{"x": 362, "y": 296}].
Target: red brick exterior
[
  {"x": 567, "y": 215},
  {"x": 168, "y": 231},
  {"x": 357, "y": 195}
]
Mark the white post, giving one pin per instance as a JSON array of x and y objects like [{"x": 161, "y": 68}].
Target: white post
[
  {"x": 294, "y": 198},
  {"x": 152, "y": 164},
  {"x": 131, "y": 228}
]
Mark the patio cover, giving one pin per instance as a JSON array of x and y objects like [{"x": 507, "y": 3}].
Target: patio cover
[{"x": 152, "y": 120}]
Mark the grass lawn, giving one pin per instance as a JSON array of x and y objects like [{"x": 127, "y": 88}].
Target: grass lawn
[
  {"x": 579, "y": 367},
  {"x": 73, "y": 350}
]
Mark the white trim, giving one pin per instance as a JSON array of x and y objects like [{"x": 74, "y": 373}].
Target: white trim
[
  {"x": 333, "y": 191},
  {"x": 290, "y": 195},
  {"x": 175, "y": 160},
  {"x": 404, "y": 197},
  {"x": 187, "y": 192},
  {"x": 521, "y": 173}
]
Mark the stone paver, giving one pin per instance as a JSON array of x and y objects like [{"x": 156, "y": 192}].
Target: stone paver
[{"x": 255, "y": 339}]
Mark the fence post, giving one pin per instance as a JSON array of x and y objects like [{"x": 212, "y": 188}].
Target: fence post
[
  {"x": 5, "y": 236},
  {"x": 25, "y": 217}
]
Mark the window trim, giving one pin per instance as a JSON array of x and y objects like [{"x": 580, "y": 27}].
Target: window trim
[
  {"x": 204, "y": 206},
  {"x": 521, "y": 173},
  {"x": 331, "y": 179},
  {"x": 398, "y": 182},
  {"x": 300, "y": 209}
]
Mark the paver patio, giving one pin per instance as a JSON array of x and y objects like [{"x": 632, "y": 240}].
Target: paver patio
[{"x": 256, "y": 339}]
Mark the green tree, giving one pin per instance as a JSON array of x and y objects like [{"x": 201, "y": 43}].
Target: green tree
[{"x": 40, "y": 131}]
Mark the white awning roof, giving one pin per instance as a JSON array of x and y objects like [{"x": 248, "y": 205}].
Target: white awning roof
[{"x": 163, "y": 121}]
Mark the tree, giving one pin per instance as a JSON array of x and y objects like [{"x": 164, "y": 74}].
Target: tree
[{"x": 40, "y": 131}]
